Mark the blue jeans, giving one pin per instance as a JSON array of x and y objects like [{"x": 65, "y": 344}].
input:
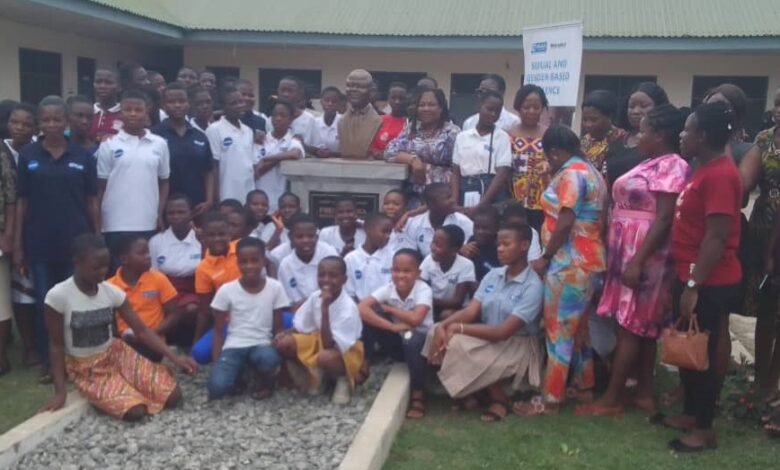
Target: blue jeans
[
  {"x": 201, "y": 350},
  {"x": 227, "y": 369},
  {"x": 44, "y": 276}
]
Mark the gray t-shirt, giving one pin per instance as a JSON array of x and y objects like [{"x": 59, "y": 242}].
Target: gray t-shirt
[{"x": 521, "y": 296}]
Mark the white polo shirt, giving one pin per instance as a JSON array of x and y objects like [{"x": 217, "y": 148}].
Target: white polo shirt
[
  {"x": 345, "y": 324},
  {"x": 418, "y": 233},
  {"x": 472, "y": 152},
  {"x": 268, "y": 232},
  {"x": 506, "y": 120},
  {"x": 132, "y": 167},
  {"x": 279, "y": 253},
  {"x": 174, "y": 257},
  {"x": 443, "y": 284},
  {"x": 302, "y": 126},
  {"x": 421, "y": 294},
  {"x": 325, "y": 136},
  {"x": 233, "y": 148},
  {"x": 332, "y": 237},
  {"x": 300, "y": 279},
  {"x": 273, "y": 182},
  {"x": 367, "y": 272}
]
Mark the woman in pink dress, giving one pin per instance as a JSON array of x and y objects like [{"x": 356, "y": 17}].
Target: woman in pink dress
[{"x": 639, "y": 276}]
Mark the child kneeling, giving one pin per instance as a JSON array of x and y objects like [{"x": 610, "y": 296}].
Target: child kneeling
[
  {"x": 326, "y": 333},
  {"x": 254, "y": 304}
]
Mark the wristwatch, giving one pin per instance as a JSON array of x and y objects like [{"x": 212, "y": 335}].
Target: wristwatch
[{"x": 691, "y": 284}]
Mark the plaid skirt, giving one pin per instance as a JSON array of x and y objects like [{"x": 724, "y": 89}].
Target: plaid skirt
[{"x": 119, "y": 379}]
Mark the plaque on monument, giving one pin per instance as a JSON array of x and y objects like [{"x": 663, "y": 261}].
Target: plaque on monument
[{"x": 322, "y": 205}]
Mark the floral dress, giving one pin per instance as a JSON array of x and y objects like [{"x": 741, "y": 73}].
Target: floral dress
[
  {"x": 434, "y": 148},
  {"x": 595, "y": 151},
  {"x": 762, "y": 218},
  {"x": 530, "y": 171},
  {"x": 642, "y": 311}
]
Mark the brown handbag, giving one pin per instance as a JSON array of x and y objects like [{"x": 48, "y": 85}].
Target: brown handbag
[{"x": 686, "y": 349}]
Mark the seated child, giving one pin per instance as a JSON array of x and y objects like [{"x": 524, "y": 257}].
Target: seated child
[
  {"x": 279, "y": 145},
  {"x": 276, "y": 233},
  {"x": 111, "y": 375},
  {"x": 254, "y": 305},
  {"x": 397, "y": 316},
  {"x": 218, "y": 267},
  {"x": 326, "y": 333},
  {"x": 515, "y": 213},
  {"x": 481, "y": 248},
  {"x": 450, "y": 275},
  {"x": 176, "y": 252},
  {"x": 150, "y": 294},
  {"x": 346, "y": 234},
  {"x": 418, "y": 233},
  {"x": 394, "y": 206},
  {"x": 369, "y": 265},
  {"x": 240, "y": 223},
  {"x": 257, "y": 203},
  {"x": 496, "y": 337},
  {"x": 298, "y": 270}
]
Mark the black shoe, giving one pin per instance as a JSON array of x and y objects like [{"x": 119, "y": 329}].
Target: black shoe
[{"x": 680, "y": 447}]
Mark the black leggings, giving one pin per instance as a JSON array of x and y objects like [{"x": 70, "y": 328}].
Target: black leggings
[
  {"x": 701, "y": 387},
  {"x": 401, "y": 350}
]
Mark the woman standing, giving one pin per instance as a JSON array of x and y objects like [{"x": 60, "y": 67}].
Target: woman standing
[
  {"x": 639, "y": 275},
  {"x": 622, "y": 154},
  {"x": 572, "y": 266},
  {"x": 426, "y": 144},
  {"x": 705, "y": 237},
  {"x": 530, "y": 171},
  {"x": 598, "y": 115}
]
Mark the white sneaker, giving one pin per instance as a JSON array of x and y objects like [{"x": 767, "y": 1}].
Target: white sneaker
[{"x": 341, "y": 395}]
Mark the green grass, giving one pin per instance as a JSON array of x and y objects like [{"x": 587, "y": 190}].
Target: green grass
[
  {"x": 20, "y": 393},
  {"x": 445, "y": 440}
]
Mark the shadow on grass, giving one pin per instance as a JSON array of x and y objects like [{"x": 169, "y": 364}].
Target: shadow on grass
[{"x": 20, "y": 393}]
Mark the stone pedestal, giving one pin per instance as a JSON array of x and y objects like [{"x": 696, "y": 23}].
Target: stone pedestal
[{"x": 319, "y": 182}]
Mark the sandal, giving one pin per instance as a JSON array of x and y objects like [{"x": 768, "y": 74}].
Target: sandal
[
  {"x": 536, "y": 407},
  {"x": 494, "y": 413},
  {"x": 416, "y": 409},
  {"x": 681, "y": 447},
  {"x": 594, "y": 409},
  {"x": 660, "y": 419}
]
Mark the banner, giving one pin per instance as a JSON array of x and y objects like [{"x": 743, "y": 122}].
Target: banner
[{"x": 553, "y": 61}]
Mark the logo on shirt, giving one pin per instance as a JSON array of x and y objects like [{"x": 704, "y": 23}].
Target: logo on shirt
[
  {"x": 358, "y": 274},
  {"x": 385, "y": 270},
  {"x": 33, "y": 165},
  {"x": 283, "y": 149},
  {"x": 262, "y": 152},
  {"x": 151, "y": 294},
  {"x": 118, "y": 153},
  {"x": 488, "y": 148},
  {"x": 76, "y": 166},
  {"x": 199, "y": 143},
  {"x": 293, "y": 283},
  {"x": 516, "y": 298},
  {"x": 489, "y": 289},
  {"x": 421, "y": 238},
  {"x": 161, "y": 260},
  {"x": 452, "y": 280},
  {"x": 195, "y": 256},
  {"x": 227, "y": 142}
]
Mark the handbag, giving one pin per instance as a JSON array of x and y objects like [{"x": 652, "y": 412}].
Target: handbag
[
  {"x": 686, "y": 349},
  {"x": 480, "y": 183}
]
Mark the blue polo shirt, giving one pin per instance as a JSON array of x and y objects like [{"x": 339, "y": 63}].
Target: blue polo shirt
[
  {"x": 191, "y": 159},
  {"x": 521, "y": 296},
  {"x": 253, "y": 121},
  {"x": 56, "y": 191}
]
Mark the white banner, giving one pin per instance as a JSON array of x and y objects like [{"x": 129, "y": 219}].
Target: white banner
[{"x": 553, "y": 61}]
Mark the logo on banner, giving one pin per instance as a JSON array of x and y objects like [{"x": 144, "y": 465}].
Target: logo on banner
[{"x": 539, "y": 47}]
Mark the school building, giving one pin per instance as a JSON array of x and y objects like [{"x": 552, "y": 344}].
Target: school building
[{"x": 687, "y": 46}]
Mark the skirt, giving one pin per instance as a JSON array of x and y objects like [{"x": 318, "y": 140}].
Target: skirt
[
  {"x": 472, "y": 364},
  {"x": 119, "y": 379},
  {"x": 310, "y": 345}
]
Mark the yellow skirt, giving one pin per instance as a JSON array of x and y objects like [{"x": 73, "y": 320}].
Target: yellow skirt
[{"x": 310, "y": 345}]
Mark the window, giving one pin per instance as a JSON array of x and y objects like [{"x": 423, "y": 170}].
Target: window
[
  {"x": 621, "y": 85},
  {"x": 384, "y": 79},
  {"x": 221, "y": 72},
  {"x": 754, "y": 87},
  {"x": 463, "y": 95},
  {"x": 269, "y": 83},
  {"x": 85, "y": 69},
  {"x": 40, "y": 74}
]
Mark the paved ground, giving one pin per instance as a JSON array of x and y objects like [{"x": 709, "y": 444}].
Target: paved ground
[{"x": 288, "y": 431}]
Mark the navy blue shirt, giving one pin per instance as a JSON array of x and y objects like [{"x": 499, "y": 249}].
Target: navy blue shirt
[
  {"x": 253, "y": 121},
  {"x": 191, "y": 160},
  {"x": 56, "y": 191},
  {"x": 486, "y": 260}
]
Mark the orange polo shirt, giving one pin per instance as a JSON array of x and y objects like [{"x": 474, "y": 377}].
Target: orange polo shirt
[
  {"x": 147, "y": 297},
  {"x": 214, "y": 271}
]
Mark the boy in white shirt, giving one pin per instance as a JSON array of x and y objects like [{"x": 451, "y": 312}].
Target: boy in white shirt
[
  {"x": 345, "y": 235},
  {"x": 232, "y": 145},
  {"x": 325, "y": 135},
  {"x": 298, "y": 270},
  {"x": 369, "y": 265},
  {"x": 254, "y": 305},
  {"x": 133, "y": 167},
  {"x": 398, "y": 317},
  {"x": 438, "y": 197},
  {"x": 279, "y": 145},
  {"x": 326, "y": 332},
  {"x": 292, "y": 90},
  {"x": 450, "y": 275}
]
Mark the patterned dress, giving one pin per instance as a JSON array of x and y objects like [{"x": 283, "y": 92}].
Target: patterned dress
[
  {"x": 530, "y": 171},
  {"x": 595, "y": 151},
  {"x": 762, "y": 219},
  {"x": 434, "y": 148},
  {"x": 642, "y": 311},
  {"x": 574, "y": 274}
]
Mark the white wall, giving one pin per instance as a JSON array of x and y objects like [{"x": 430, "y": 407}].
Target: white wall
[{"x": 70, "y": 45}]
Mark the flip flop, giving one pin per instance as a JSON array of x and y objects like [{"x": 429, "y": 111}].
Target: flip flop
[
  {"x": 679, "y": 446},
  {"x": 416, "y": 409},
  {"x": 496, "y": 412}
]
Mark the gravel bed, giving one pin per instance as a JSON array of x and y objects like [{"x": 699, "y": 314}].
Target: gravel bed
[{"x": 288, "y": 431}]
